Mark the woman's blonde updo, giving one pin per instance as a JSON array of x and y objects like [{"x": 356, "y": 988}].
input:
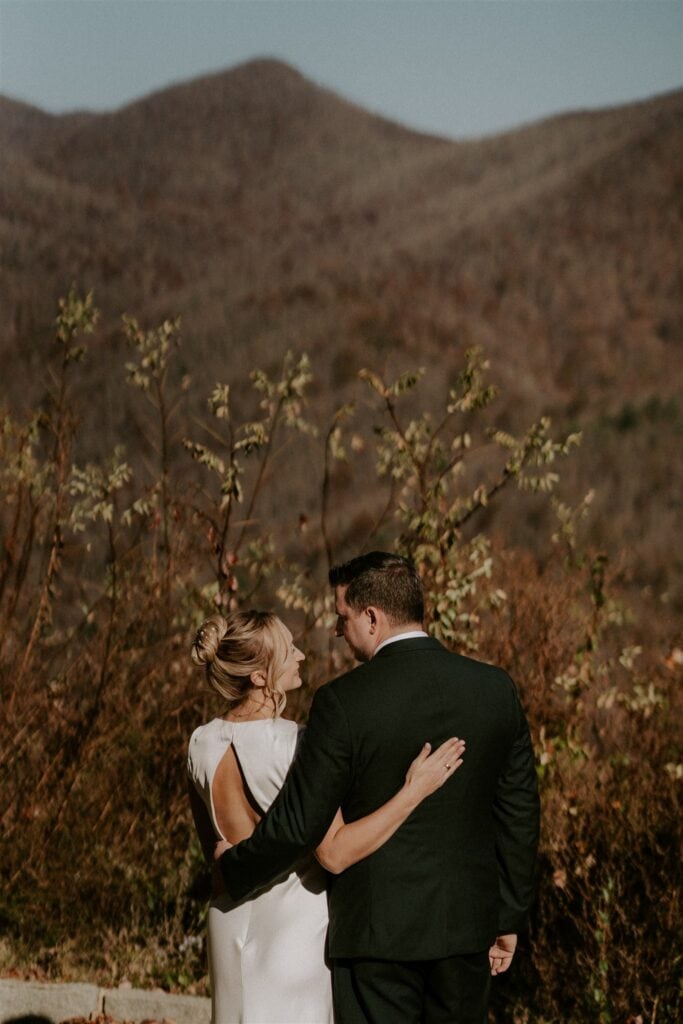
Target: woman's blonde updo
[{"x": 231, "y": 649}]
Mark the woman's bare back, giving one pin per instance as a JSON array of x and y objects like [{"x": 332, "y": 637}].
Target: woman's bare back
[{"x": 236, "y": 811}]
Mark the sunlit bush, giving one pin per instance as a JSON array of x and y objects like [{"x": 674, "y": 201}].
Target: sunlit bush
[{"x": 105, "y": 570}]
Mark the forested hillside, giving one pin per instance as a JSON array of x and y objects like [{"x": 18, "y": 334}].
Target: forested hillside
[
  {"x": 272, "y": 215},
  {"x": 153, "y": 470}
]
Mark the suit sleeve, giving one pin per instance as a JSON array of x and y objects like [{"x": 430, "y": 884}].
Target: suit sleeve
[
  {"x": 304, "y": 809},
  {"x": 516, "y": 811}
]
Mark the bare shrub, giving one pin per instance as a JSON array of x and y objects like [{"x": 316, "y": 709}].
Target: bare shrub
[{"x": 103, "y": 577}]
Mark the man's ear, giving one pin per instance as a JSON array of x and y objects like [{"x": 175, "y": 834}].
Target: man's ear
[
  {"x": 372, "y": 618},
  {"x": 258, "y": 678}
]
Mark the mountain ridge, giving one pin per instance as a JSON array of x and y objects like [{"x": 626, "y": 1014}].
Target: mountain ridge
[{"x": 273, "y": 215}]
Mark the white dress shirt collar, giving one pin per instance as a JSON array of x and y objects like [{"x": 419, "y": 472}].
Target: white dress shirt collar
[{"x": 410, "y": 635}]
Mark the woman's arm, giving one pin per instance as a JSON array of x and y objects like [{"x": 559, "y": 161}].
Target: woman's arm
[
  {"x": 345, "y": 845},
  {"x": 202, "y": 823},
  {"x": 207, "y": 837}
]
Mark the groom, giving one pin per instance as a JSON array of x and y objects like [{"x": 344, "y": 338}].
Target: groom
[{"x": 417, "y": 928}]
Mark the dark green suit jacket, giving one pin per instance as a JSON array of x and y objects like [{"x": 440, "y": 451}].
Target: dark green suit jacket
[{"x": 460, "y": 870}]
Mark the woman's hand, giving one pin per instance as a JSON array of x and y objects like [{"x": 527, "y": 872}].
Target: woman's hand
[
  {"x": 348, "y": 842},
  {"x": 429, "y": 771}
]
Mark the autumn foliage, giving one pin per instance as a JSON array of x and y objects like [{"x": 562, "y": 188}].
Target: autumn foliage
[{"x": 106, "y": 567}]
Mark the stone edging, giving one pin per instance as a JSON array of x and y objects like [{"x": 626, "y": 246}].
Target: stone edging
[{"x": 56, "y": 1002}]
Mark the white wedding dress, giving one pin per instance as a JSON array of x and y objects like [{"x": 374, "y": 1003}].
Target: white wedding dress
[{"x": 266, "y": 953}]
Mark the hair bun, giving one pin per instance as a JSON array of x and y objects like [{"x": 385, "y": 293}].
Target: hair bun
[{"x": 207, "y": 640}]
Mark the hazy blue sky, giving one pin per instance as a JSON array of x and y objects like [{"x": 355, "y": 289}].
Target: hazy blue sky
[{"x": 454, "y": 67}]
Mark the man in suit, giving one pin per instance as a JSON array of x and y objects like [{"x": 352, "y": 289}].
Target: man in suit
[{"x": 418, "y": 927}]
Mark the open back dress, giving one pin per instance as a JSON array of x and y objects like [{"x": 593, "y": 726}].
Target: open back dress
[{"x": 266, "y": 953}]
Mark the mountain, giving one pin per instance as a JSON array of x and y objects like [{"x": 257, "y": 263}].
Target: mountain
[{"x": 272, "y": 214}]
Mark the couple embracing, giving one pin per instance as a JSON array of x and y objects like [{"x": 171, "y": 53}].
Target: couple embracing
[{"x": 414, "y": 786}]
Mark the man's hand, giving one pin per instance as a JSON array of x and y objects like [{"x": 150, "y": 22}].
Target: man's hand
[
  {"x": 501, "y": 953},
  {"x": 217, "y": 881},
  {"x": 219, "y": 849}
]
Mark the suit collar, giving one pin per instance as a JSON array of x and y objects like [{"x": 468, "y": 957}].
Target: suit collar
[
  {"x": 418, "y": 643},
  {"x": 409, "y": 634}
]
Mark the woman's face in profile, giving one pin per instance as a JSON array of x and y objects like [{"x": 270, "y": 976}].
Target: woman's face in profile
[{"x": 289, "y": 678}]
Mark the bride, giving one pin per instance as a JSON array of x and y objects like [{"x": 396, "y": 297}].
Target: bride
[{"x": 267, "y": 953}]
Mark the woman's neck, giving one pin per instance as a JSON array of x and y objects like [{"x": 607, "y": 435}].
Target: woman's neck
[{"x": 251, "y": 709}]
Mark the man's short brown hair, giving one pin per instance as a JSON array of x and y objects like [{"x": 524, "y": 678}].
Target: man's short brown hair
[{"x": 385, "y": 581}]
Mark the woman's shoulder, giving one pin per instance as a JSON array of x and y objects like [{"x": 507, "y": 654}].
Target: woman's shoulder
[
  {"x": 266, "y": 730},
  {"x": 204, "y": 731},
  {"x": 275, "y": 725},
  {"x": 206, "y": 739},
  {"x": 225, "y": 730},
  {"x": 268, "y": 737},
  {"x": 265, "y": 749}
]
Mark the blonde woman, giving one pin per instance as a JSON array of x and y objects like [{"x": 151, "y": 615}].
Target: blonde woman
[{"x": 267, "y": 953}]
